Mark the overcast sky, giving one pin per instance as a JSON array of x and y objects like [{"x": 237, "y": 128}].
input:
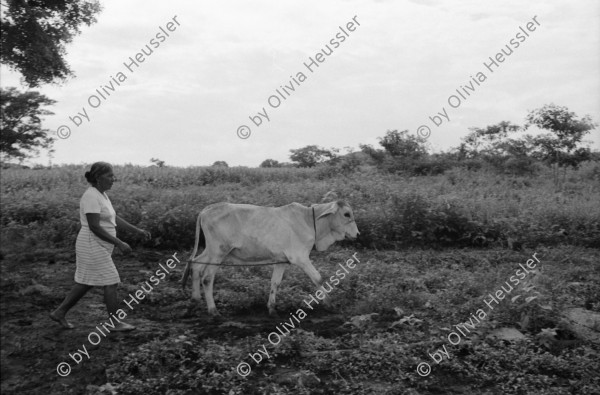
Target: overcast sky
[{"x": 225, "y": 59}]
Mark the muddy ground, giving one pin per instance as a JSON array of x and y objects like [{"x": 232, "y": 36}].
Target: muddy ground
[
  {"x": 33, "y": 345},
  {"x": 35, "y": 283}
]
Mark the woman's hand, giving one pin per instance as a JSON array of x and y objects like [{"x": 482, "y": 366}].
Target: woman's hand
[
  {"x": 145, "y": 234},
  {"x": 124, "y": 247}
]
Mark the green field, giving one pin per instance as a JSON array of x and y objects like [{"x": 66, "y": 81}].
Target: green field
[
  {"x": 458, "y": 208},
  {"x": 431, "y": 250}
]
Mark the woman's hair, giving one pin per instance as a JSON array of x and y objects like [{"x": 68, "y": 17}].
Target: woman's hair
[{"x": 98, "y": 169}]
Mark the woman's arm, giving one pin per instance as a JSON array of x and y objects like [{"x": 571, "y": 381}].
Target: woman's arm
[
  {"x": 121, "y": 223},
  {"x": 93, "y": 220}
]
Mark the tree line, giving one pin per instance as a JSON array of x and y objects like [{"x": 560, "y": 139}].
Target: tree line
[{"x": 504, "y": 146}]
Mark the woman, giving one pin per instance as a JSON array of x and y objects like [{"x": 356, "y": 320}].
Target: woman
[{"x": 95, "y": 243}]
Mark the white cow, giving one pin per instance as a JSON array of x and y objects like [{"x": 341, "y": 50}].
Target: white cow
[{"x": 247, "y": 234}]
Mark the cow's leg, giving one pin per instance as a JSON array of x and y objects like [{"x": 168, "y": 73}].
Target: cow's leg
[
  {"x": 278, "y": 271},
  {"x": 208, "y": 279},
  {"x": 309, "y": 269},
  {"x": 306, "y": 265},
  {"x": 197, "y": 269},
  {"x": 213, "y": 254}
]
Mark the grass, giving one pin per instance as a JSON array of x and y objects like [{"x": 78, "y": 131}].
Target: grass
[{"x": 458, "y": 208}]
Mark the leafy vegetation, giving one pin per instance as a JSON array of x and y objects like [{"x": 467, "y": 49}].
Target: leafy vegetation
[
  {"x": 34, "y": 34},
  {"x": 21, "y": 133},
  {"x": 459, "y": 208},
  {"x": 378, "y": 353}
]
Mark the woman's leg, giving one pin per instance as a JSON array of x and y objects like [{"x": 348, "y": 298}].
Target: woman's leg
[
  {"x": 76, "y": 293},
  {"x": 110, "y": 298}
]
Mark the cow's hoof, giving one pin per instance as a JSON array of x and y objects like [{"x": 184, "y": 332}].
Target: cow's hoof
[{"x": 273, "y": 313}]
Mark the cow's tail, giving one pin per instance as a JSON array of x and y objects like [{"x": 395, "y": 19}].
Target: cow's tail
[{"x": 199, "y": 234}]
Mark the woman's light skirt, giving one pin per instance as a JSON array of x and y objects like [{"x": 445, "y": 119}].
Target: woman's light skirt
[{"x": 94, "y": 262}]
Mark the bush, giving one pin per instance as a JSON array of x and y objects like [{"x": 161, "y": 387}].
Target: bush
[
  {"x": 520, "y": 166},
  {"x": 431, "y": 166},
  {"x": 413, "y": 220},
  {"x": 173, "y": 228}
]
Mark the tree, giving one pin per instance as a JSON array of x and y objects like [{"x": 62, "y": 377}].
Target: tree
[
  {"x": 404, "y": 145},
  {"x": 158, "y": 162},
  {"x": 378, "y": 155},
  {"x": 311, "y": 155},
  {"x": 34, "y": 34},
  {"x": 270, "y": 163},
  {"x": 21, "y": 134},
  {"x": 220, "y": 163},
  {"x": 401, "y": 151},
  {"x": 560, "y": 148},
  {"x": 488, "y": 141},
  {"x": 499, "y": 146}
]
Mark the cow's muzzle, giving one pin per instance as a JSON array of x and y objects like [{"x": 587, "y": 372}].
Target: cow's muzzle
[{"x": 349, "y": 236}]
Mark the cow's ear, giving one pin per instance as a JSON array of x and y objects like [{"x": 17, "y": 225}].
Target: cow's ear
[{"x": 331, "y": 209}]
